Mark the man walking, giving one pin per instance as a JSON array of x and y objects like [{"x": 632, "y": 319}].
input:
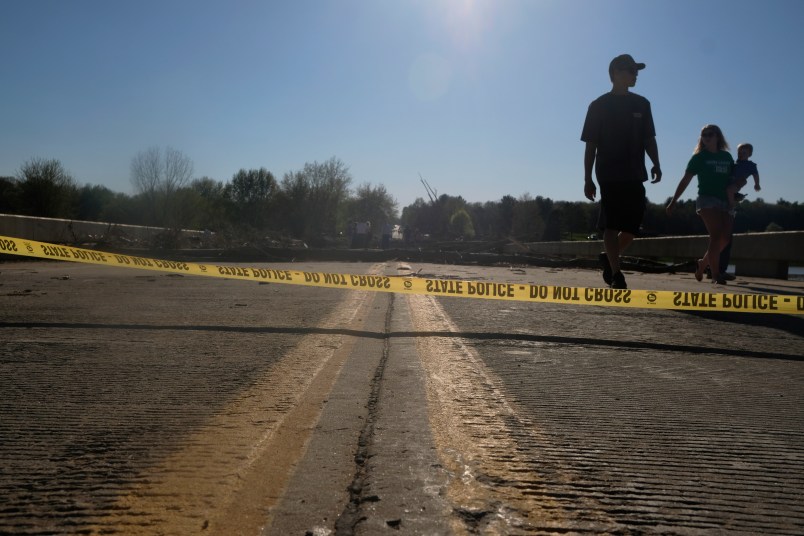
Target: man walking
[{"x": 618, "y": 131}]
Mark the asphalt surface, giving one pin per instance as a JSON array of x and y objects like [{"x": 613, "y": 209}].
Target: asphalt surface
[{"x": 147, "y": 403}]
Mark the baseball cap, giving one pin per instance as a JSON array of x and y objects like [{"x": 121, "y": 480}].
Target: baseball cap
[{"x": 624, "y": 62}]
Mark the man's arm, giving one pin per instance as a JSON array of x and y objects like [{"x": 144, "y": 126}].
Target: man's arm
[
  {"x": 589, "y": 188},
  {"x": 653, "y": 153}
]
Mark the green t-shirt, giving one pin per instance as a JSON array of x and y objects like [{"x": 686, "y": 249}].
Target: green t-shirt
[{"x": 713, "y": 170}]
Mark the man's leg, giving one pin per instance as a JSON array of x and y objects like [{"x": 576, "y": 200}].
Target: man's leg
[{"x": 615, "y": 242}]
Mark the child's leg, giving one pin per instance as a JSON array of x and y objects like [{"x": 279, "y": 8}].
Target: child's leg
[{"x": 732, "y": 189}]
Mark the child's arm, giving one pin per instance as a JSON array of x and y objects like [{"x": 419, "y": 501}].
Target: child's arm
[{"x": 756, "y": 181}]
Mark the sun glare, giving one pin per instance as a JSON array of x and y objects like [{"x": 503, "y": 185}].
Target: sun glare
[{"x": 465, "y": 21}]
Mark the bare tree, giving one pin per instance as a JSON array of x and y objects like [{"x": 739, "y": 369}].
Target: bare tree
[
  {"x": 178, "y": 170},
  {"x": 157, "y": 176}
]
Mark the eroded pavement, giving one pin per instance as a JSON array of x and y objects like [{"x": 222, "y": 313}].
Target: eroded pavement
[{"x": 156, "y": 404}]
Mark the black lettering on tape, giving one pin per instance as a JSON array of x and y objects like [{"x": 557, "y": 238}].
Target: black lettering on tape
[
  {"x": 88, "y": 255},
  {"x": 441, "y": 286},
  {"x": 750, "y": 302},
  {"x": 233, "y": 270},
  {"x": 335, "y": 279},
  {"x": 695, "y": 299},
  {"x": 171, "y": 265},
  {"x": 538, "y": 291},
  {"x": 263, "y": 273},
  {"x": 7, "y": 245},
  {"x": 607, "y": 295},
  {"x": 566, "y": 294},
  {"x": 56, "y": 251},
  {"x": 494, "y": 290},
  {"x": 142, "y": 261}
]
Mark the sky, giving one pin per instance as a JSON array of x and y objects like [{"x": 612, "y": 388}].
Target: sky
[{"x": 481, "y": 98}]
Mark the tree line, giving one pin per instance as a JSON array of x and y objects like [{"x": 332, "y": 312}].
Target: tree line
[{"x": 317, "y": 204}]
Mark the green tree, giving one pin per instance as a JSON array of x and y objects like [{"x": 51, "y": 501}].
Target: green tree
[
  {"x": 47, "y": 189},
  {"x": 529, "y": 219},
  {"x": 311, "y": 198},
  {"x": 251, "y": 194},
  {"x": 460, "y": 224},
  {"x": 212, "y": 205},
  {"x": 92, "y": 201},
  {"x": 369, "y": 203},
  {"x": 124, "y": 209},
  {"x": 10, "y": 193},
  {"x": 574, "y": 219},
  {"x": 484, "y": 217},
  {"x": 507, "y": 211}
]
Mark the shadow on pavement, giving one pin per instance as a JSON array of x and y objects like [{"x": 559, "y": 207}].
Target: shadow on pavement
[
  {"x": 791, "y": 324},
  {"x": 776, "y": 322}
]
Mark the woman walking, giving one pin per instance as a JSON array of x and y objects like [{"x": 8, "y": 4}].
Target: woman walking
[{"x": 712, "y": 163}]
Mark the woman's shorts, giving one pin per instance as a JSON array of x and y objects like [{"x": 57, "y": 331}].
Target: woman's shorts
[
  {"x": 708, "y": 201},
  {"x": 622, "y": 206}
]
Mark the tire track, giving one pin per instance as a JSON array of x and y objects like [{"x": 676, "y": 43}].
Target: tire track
[
  {"x": 229, "y": 473},
  {"x": 494, "y": 488},
  {"x": 71, "y": 463}
]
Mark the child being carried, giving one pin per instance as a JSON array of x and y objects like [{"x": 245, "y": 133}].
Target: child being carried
[{"x": 743, "y": 168}]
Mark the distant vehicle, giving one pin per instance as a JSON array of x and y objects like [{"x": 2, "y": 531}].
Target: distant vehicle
[{"x": 592, "y": 236}]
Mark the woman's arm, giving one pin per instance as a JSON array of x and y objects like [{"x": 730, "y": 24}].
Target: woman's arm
[{"x": 682, "y": 185}]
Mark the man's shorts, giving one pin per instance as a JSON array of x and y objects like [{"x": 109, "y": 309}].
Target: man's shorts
[{"x": 622, "y": 206}]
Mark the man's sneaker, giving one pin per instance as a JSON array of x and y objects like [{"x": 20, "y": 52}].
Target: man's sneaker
[
  {"x": 728, "y": 277},
  {"x": 699, "y": 269},
  {"x": 604, "y": 263},
  {"x": 618, "y": 281}
]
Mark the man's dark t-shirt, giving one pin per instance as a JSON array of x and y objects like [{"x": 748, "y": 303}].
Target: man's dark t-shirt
[{"x": 619, "y": 125}]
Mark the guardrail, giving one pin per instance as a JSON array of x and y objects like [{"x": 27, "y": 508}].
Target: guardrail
[{"x": 753, "y": 254}]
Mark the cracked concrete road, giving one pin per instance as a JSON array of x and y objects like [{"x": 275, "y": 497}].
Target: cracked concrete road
[{"x": 156, "y": 404}]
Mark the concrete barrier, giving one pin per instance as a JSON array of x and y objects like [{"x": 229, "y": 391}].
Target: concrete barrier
[
  {"x": 753, "y": 254},
  {"x": 75, "y": 231}
]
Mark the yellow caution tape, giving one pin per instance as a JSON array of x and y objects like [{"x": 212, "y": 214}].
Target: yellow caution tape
[{"x": 645, "y": 299}]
